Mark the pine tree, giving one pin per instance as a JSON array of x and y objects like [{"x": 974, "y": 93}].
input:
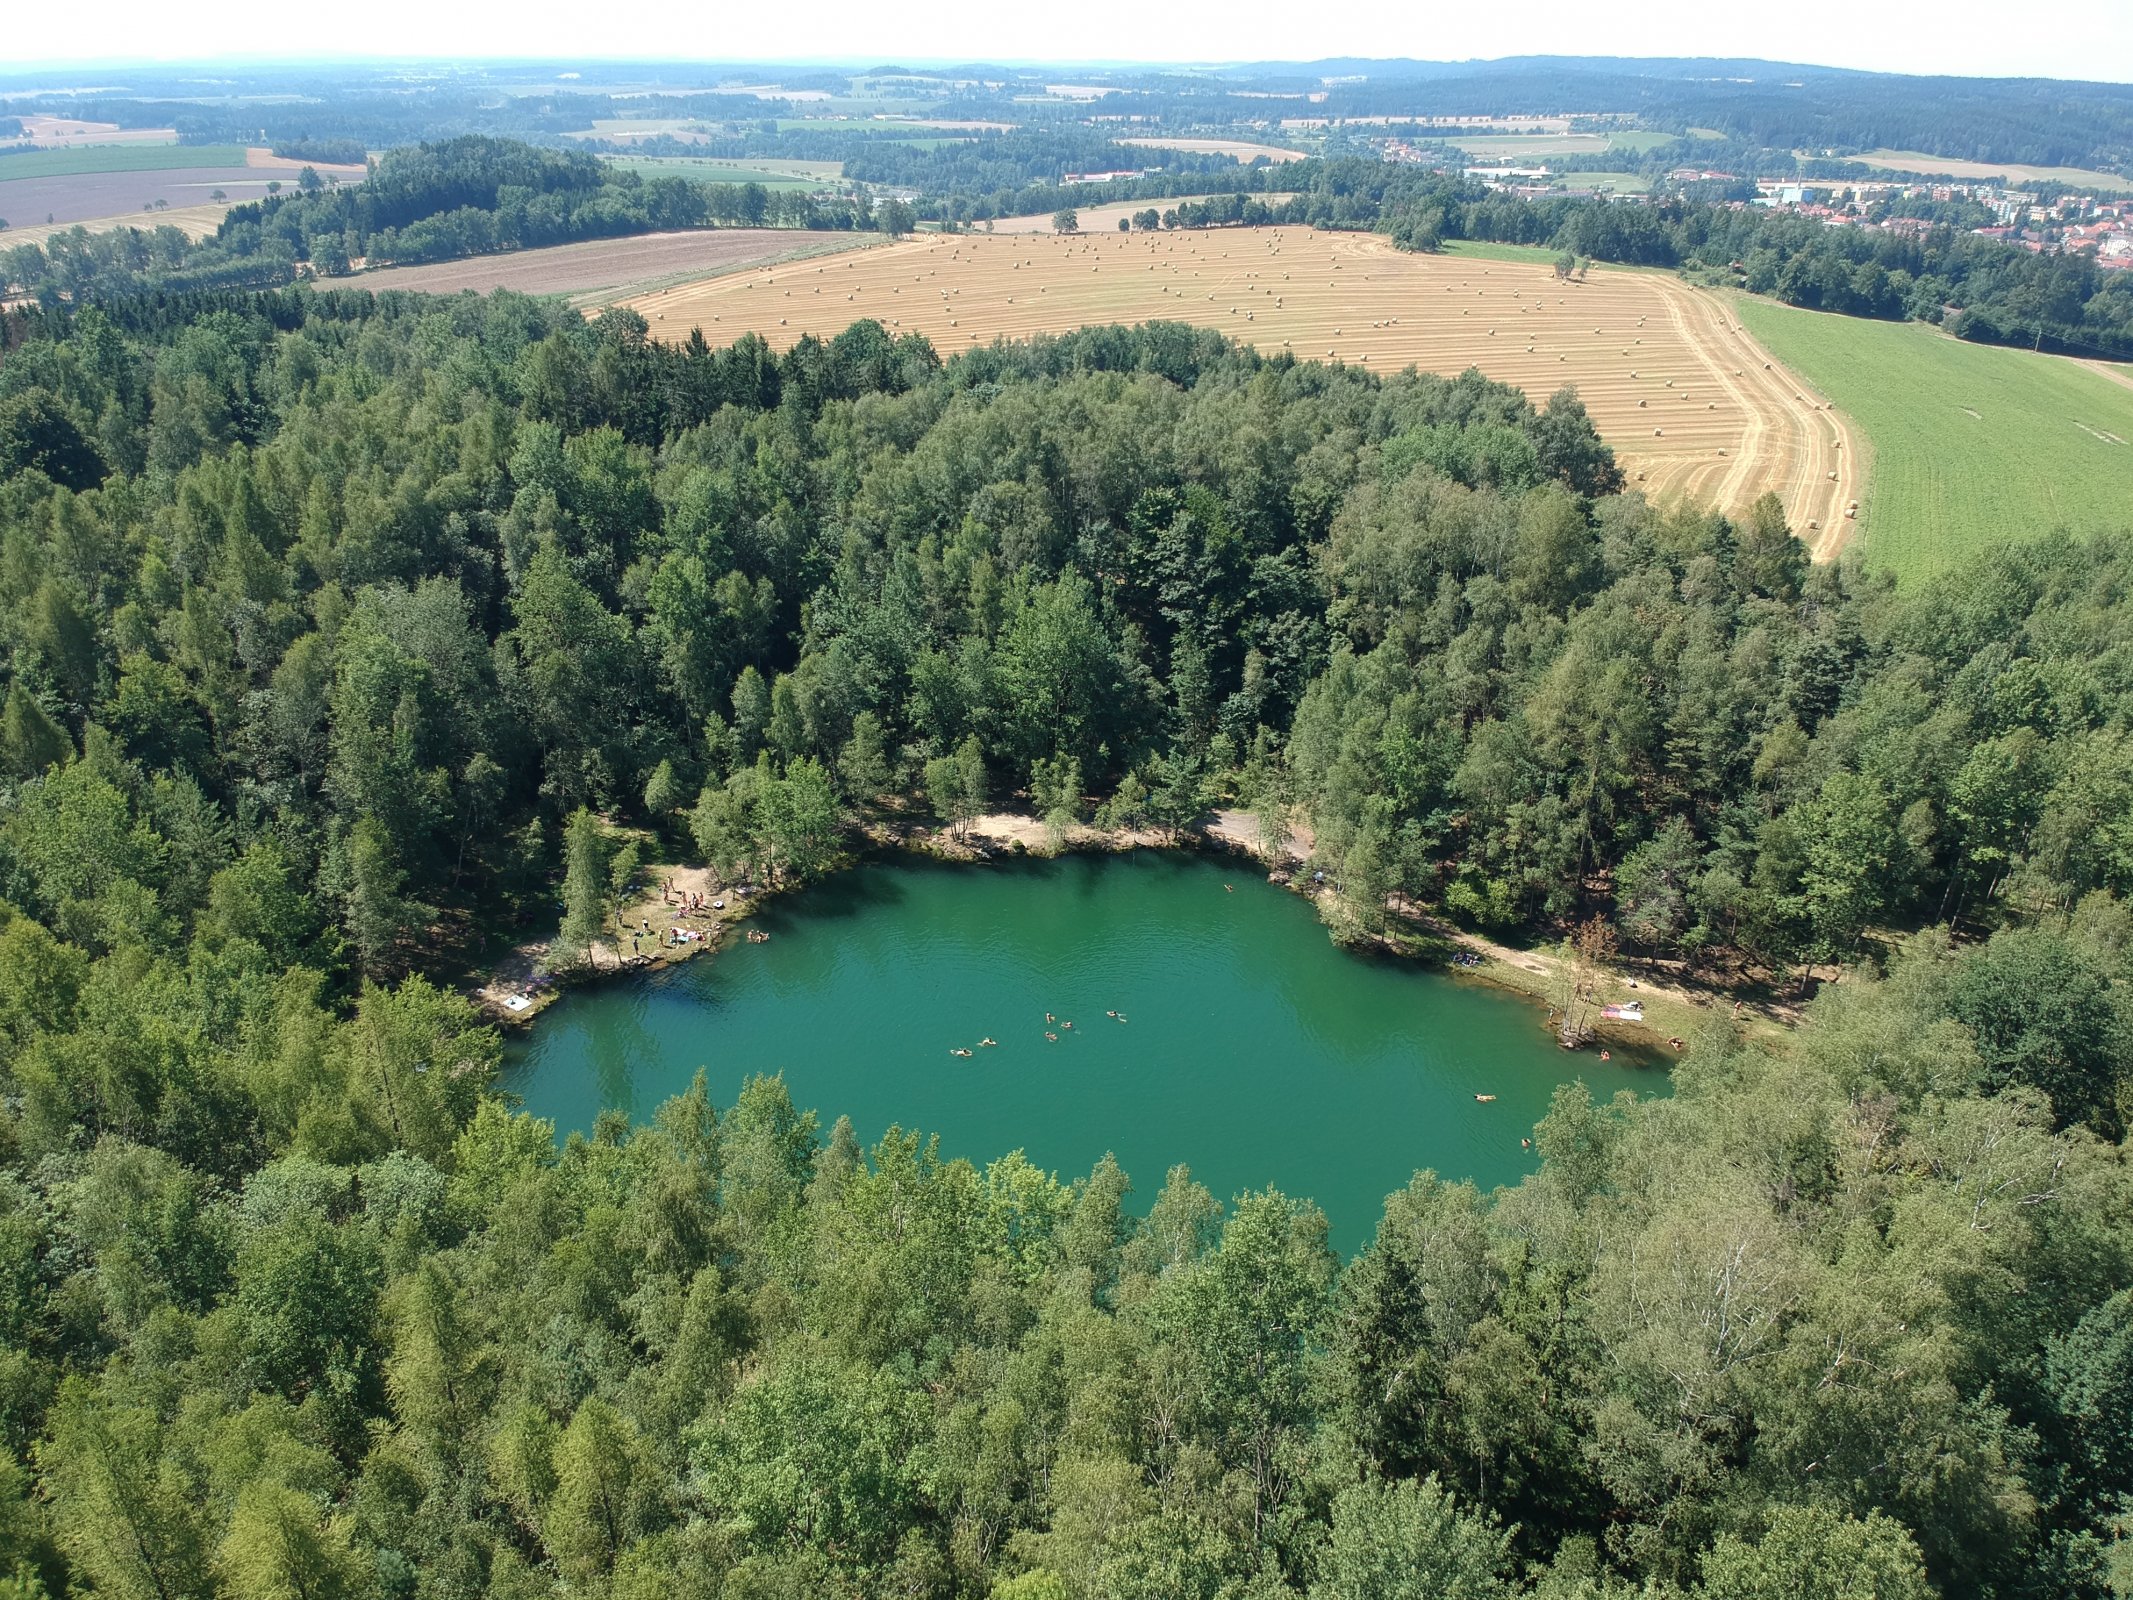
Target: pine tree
[
  {"x": 380, "y": 916},
  {"x": 30, "y": 741},
  {"x": 585, "y": 887}
]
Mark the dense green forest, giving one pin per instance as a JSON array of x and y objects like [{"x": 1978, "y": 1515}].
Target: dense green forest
[{"x": 326, "y": 614}]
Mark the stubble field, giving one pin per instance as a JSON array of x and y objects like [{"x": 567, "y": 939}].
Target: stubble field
[
  {"x": 109, "y": 185},
  {"x": 1691, "y": 403},
  {"x": 604, "y": 270}
]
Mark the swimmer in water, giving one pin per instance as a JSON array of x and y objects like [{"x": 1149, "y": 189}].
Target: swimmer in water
[
  {"x": 982, "y": 1043},
  {"x": 1051, "y": 1036}
]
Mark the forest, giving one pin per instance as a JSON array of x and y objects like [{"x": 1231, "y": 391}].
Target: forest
[{"x": 332, "y": 620}]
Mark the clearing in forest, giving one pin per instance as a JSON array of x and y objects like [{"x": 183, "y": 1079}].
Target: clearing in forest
[
  {"x": 1691, "y": 404},
  {"x": 1971, "y": 443}
]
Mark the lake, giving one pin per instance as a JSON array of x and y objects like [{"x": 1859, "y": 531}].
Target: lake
[{"x": 1247, "y": 1045}]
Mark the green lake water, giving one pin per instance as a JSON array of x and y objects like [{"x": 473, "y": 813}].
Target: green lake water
[{"x": 1253, "y": 1049}]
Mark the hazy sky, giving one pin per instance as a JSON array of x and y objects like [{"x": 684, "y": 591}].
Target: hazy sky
[{"x": 2054, "y": 38}]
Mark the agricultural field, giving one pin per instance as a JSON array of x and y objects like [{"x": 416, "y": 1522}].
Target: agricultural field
[
  {"x": 1490, "y": 250},
  {"x": 107, "y": 186},
  {"x": 625, "y": 129},
  {"x": 1619, "y": 182},
  {"x": 1105, "y": 218},
  {"x": 770, "y": 172},
  {"x": 1540, "y": 146},
  {"x": 1943, "y": 167},
  {"x": 115, "y": 199},
  {"x": 1691, "y": 403},
  {"x": 1969, "y": 443},
  {"x": 81, "y": 160},
  {"x": 599, "y": 271},
  {"x": 1240, "y": 150},
  {"x": 67, "y": 132},
  {"x": 195, "y": 222},
  {"x": 941, "y": 124}
]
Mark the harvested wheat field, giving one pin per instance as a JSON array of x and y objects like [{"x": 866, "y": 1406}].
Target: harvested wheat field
[
  {"x": 1691, "y": 404},
  {"x": 602, "y": 270},
  {"x": 195, "y": 222}
]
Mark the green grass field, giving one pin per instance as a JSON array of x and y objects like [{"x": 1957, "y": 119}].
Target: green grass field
[
  {"x": 1483, "y": 250},
  {"x": 1971, "y": 444},
  {"x": 118, "y": 158},
  {"x": 1523, "y": 147},
  {"x": 1620, "y": 182},
  {"x": 1638, "y": 139},
  {"x": 1540, "y": 146}
]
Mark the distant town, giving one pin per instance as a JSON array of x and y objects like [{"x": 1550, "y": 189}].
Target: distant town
[{"x": 2084, "y": 224}]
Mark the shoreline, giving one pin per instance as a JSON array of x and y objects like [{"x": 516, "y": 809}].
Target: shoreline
[{"x": 1415, "y": 936}]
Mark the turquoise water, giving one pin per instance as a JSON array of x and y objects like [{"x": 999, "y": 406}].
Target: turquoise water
[{"x": 1253, "y": 1049}]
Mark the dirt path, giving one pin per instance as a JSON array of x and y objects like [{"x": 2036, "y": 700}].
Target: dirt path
[
  {"x": 2116, "y": 371},
  {"x": 1823, "y": 463}
]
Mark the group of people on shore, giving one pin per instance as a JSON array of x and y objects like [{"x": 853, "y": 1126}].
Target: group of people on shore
[{"x": 690, "y": 901}]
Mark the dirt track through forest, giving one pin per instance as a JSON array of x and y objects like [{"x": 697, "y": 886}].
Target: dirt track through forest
[{"x": 1691, "y": 403}]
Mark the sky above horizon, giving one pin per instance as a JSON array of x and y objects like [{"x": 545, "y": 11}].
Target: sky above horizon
[{"x": 2091, "y": 39}]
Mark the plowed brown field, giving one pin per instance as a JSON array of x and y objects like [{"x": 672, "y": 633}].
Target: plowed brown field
[{"x": 1691, "y": 404}]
